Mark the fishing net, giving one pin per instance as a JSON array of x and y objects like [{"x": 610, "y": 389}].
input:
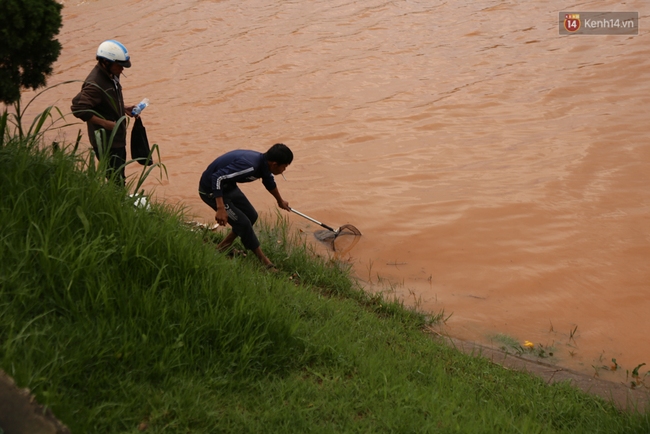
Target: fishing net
[{"x": 341, "y": 240}]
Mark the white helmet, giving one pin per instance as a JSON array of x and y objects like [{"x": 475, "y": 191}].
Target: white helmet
[{"x": 113, "y": 51}]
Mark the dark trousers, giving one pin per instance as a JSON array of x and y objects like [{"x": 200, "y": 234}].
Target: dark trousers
[
  {"x": 241, "y": 215},
  {"x": 116, "y": 164}
]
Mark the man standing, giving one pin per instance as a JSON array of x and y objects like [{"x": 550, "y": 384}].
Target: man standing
[
  {"x": 218, "y": 188},
  {"x": 100, "y": 104}
]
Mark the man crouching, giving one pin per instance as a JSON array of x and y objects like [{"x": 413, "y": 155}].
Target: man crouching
[{"x": 218, "y": 188}]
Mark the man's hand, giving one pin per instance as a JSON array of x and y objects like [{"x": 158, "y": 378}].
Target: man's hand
[
  {"x": 103, "y": 123},
  {"x": 284, "y": 205},
  {"x": 281, "y": 202},
  {"x": 128, "y": 110},
  {"x": 221, "y": 216}
]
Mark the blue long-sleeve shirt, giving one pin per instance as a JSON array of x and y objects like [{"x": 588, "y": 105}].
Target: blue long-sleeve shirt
[{"x": 235, "y": 167}]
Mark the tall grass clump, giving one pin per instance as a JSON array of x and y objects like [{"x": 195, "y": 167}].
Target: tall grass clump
[{"x": 95, "y": 291}]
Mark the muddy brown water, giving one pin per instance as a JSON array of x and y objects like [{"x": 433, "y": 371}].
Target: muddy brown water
[{"x": 497, "y": 170}]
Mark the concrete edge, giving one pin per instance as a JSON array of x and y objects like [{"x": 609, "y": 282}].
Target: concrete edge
[
  {"x": 21, "y": 414},
  {"x": 622, "y": 396}
]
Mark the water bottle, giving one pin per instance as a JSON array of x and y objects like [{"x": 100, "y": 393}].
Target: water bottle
[{"x": 141, "y": 106}]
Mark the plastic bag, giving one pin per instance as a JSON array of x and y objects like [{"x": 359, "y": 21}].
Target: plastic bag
[{"x": 140, "y": 144}]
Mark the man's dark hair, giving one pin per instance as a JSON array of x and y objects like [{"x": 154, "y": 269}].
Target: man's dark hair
[{"x": 279, "y": 153}]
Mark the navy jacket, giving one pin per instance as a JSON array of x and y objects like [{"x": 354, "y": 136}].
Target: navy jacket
[{"x": 233, "y": 168}]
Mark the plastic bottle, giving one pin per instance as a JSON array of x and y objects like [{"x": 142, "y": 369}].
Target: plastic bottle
[{"x": 141, "y": 106}]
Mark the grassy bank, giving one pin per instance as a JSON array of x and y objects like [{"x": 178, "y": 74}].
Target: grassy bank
[{"x": 120, "y": 318}]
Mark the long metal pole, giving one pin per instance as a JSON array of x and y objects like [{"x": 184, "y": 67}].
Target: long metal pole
[{"x": 313, "y": 220}]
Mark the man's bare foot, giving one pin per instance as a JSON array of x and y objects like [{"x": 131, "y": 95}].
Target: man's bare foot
[
  {"x": 234, "y": 253},
  {"x": 271, "y": 267},
  {"x": 225, "y": 245}
]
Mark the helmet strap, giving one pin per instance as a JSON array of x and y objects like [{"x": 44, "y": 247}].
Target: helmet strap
[{"x": 106, "y": 65}]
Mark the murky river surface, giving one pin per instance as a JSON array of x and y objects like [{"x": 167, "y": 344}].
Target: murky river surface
[{"x": 497, "y": 170}]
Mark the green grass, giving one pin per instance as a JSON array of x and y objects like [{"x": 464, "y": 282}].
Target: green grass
[{"x": 117, "y": 316}]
